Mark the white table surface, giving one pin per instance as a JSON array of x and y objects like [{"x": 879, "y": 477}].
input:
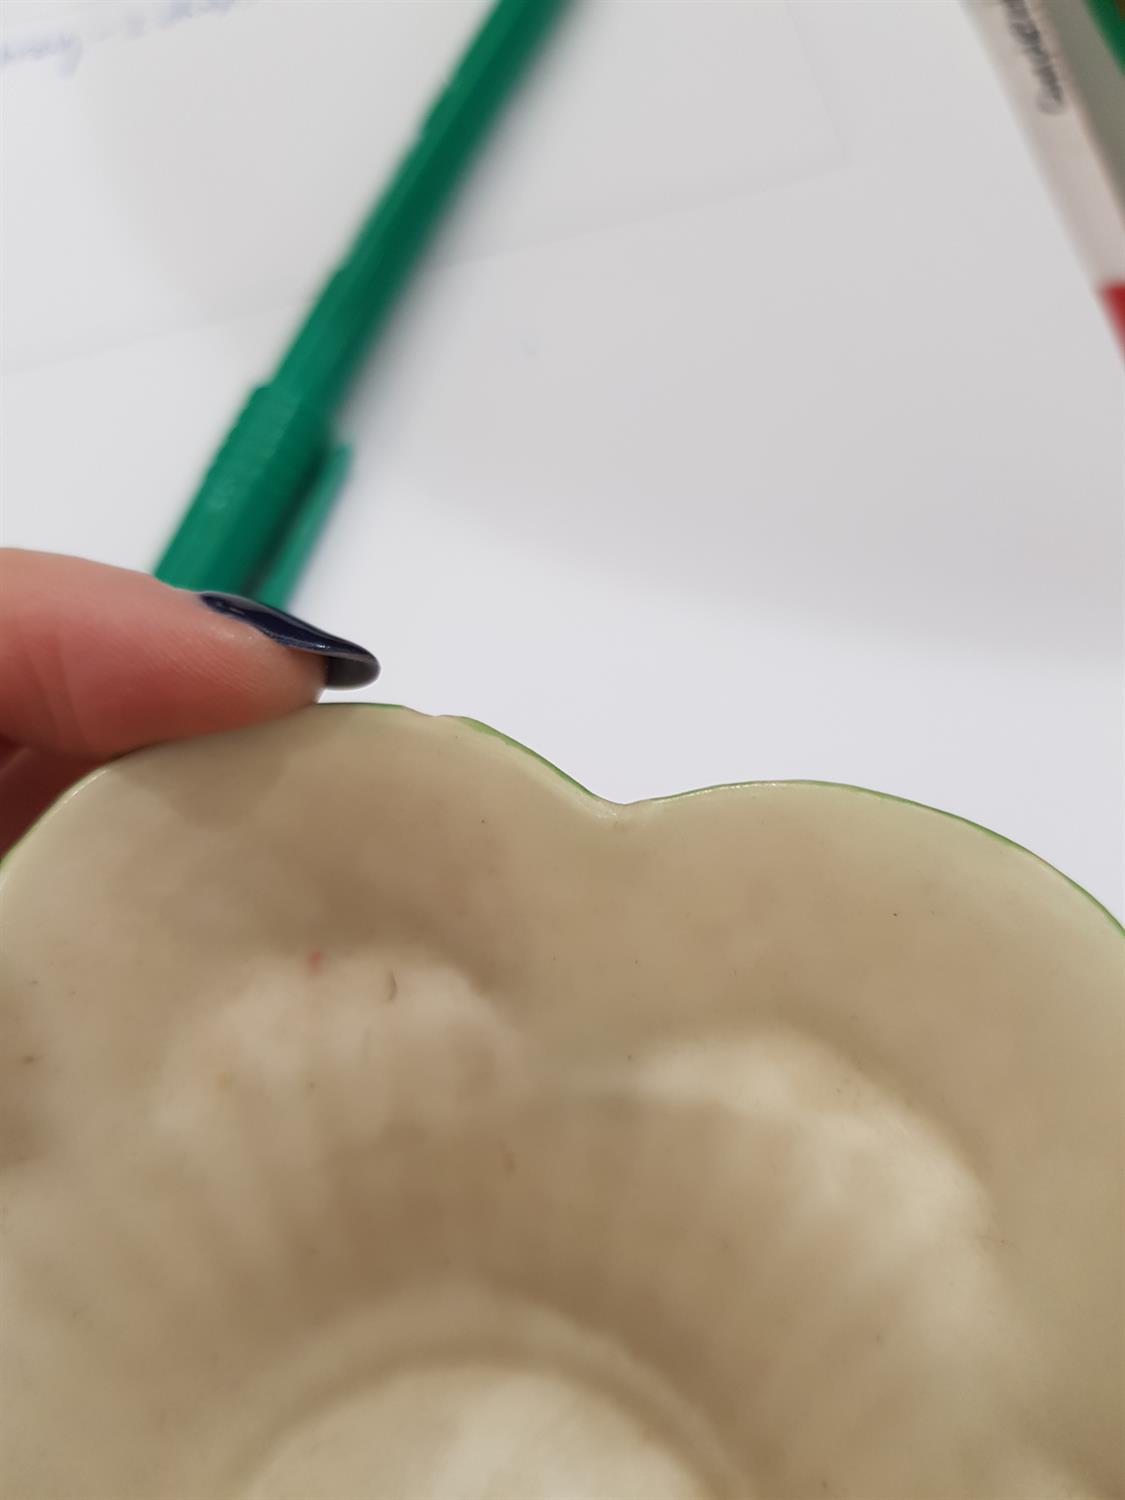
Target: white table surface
[{"x": 752, "y": 417}]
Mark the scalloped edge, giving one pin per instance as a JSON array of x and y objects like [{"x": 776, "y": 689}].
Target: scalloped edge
[{"x": 482, "y": 728}]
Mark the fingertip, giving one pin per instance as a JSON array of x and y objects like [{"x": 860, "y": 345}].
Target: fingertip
[{"x": 97, "y": 660}]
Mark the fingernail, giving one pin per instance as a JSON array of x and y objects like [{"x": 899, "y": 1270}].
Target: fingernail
[{"x": 346, "y": 665}]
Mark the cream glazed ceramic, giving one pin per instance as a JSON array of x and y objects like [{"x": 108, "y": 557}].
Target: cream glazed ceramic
[{"x": 384, "y": 1116}]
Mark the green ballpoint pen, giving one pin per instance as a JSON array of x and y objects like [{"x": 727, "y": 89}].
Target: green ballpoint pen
[{"x": 260, "y": 504}]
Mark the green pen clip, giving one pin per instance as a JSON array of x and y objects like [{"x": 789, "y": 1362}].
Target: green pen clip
[
  {"x": 270, "y": 487},
  {"x": 280, "y": 574}
]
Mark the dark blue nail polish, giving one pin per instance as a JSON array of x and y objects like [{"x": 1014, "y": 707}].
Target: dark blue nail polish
[{"x": 346, "y": 665}]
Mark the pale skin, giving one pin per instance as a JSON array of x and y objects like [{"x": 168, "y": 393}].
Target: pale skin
[{"x": 96, "y": 661}]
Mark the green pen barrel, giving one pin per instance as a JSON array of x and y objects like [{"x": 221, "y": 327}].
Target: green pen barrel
[
  {"x": 362, "y": 291},
  {"x": 249, "y": 495}
]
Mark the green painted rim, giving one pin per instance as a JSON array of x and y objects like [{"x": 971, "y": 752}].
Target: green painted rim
[
  {"x": 843, "y": 786},
  {"x": 729, "y": 786}
]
